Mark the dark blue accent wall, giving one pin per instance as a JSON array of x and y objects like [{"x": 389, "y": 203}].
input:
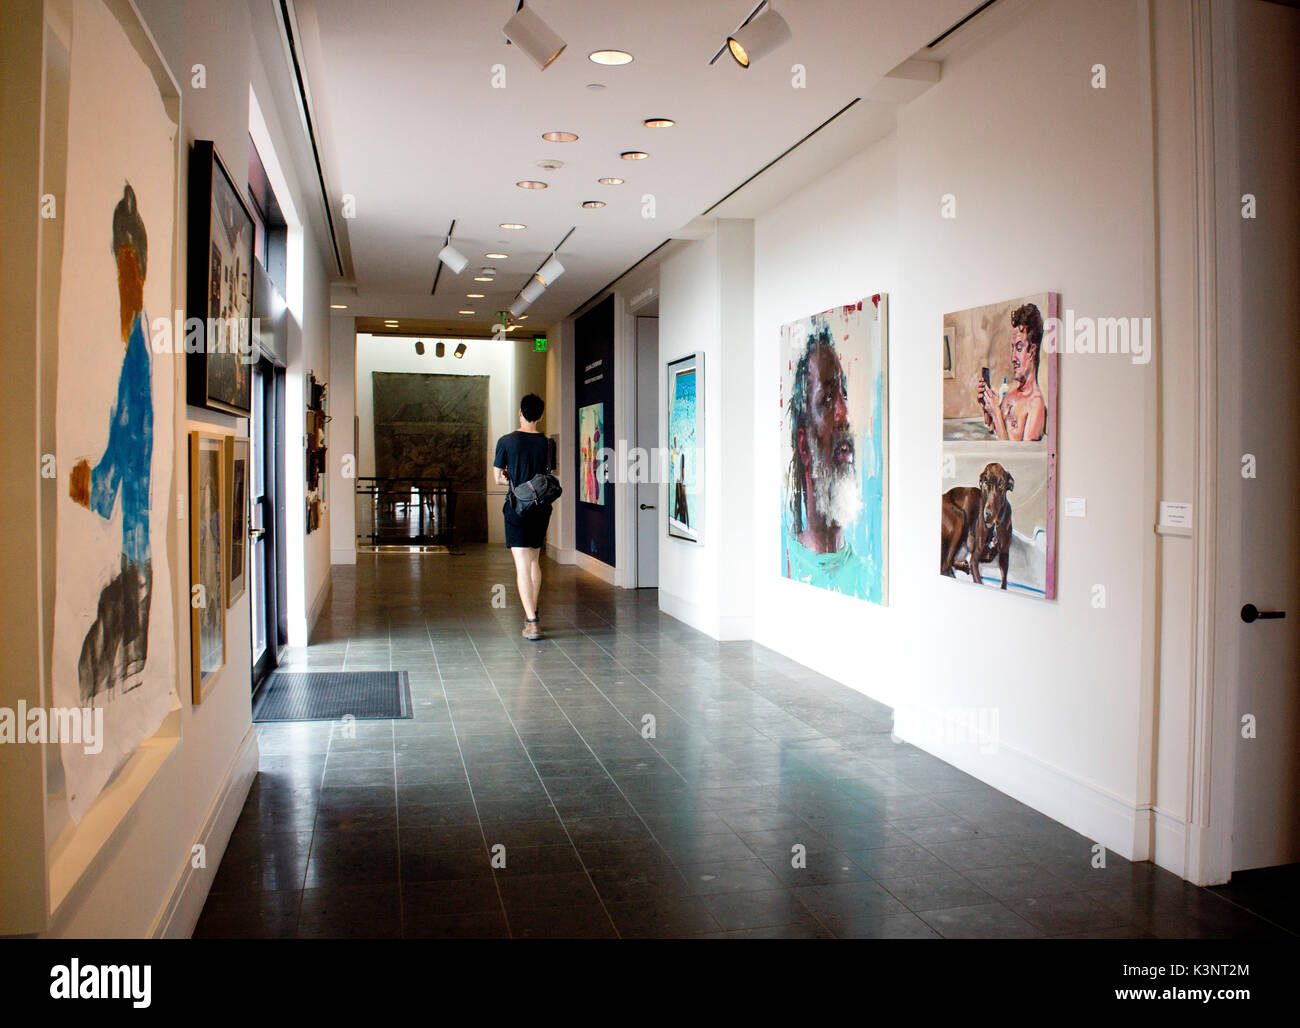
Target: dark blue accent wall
[{"x": 594, "y": 370}]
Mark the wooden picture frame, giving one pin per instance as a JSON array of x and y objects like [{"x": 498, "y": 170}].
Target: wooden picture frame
[
  {"x": 220, "y": 262},
  {"x": 208, "y": 569},
  {"x": 237, "y": 470}
]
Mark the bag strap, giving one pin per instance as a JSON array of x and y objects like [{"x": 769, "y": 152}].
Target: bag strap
[{"x": 550, "y": 455}]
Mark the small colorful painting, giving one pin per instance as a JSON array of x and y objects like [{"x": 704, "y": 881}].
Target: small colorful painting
[
  {"x": 592, "y": 443},
  {"x": 237, "y": 506},
  {"x": 685, "y": 446},
  {"x": 207, "y": 560}
]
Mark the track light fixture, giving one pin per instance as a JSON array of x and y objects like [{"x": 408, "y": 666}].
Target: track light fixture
[
  {"x": 519, "y": 306},
  {"x": 550, "y": 271},
  {"x": 534, "y": 37},
  {"x": 535, "y": 288},
  {"x": 758, "y": 36},
  {"x": 453, "y": 258},
  {"x": 419, "y": 347},
  {"x": 440, "y": 349},
  {"x": 460, "y": 350}
]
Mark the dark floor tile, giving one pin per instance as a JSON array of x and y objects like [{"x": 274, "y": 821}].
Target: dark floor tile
[
  {"x": 489, "y": 924},
  {"x": 349, "y": 859},
  {"x": 1065, "y": 913},
  {"x": 354, "y": 912},
  {"x": 983, "y": 921},
  {"x": 435, "y": 899},
  {"x": 263, "y": 862},
  {"x": 764, "y": 909},
  {"x": 580, "y": 921},
  {"x": 935, "y": 891},
  {"x": 249, "y": 915},
  {"x": 662, "y": 917}
]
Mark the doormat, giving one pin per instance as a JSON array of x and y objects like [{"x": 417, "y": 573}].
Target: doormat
[{"x": 331, "y": 695}]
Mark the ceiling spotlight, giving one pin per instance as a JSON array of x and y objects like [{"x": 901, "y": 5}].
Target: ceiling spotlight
[
  {"x": 548, "y": 164},
  {"x": 391, "y": 324},
  {"x": 497, "y": 256},
  {"x": 338, "y": 306},
  {"x": 483, "y": 278},
  {"x": 610, "y": 58},
  {"x": 550, "y": 271},
  {"x": 535, "y": 288},
  {"x": 512, "y": 225},
  {"x": 460, "y": 350},
  {"x": 610, "y": 181},
  {"x": 419, "y": 347},
  {"x": 440, "y": 349},
  {"x": 634, "y": 155},
  {"x": 465, "y": 312},
  {"x": 453, "y": 258},
  {"x": 531, "y": 184},
  {"x": 474, "y": 296},
  {"x": 592, "y": 204},
  {"x": 522, "y": 317},
  {"x": 519, "y": 306},
  {"x": 759, "y": 37},
  {"x": 534, "y": 37},
  {"x": 659, "y": 123},
  {"x": 560, "y": 137}
]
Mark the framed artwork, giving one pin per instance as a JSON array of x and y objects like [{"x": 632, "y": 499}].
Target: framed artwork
[
  {"x": 834, "y": 409},
  {"x": 208, "y": 560},
  {"x": 113, "y": 415},
  {"x": 236, "y": 457},
  {"x": 219, "y": 377},
  {"x": 591, "y": 441},
  {"x": 997, "y": 509},
  {"x": 685, "y": 446}
]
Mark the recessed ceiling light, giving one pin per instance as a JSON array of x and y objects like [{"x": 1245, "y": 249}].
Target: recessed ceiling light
[
  {"x": 659, "y": 123},
  {"x": 512, "y": 225},
  {"x": 596, "y": 86},
  {"x": 560, "y": 137},
  {"x": 550, "y": 164},
  {"x": 593, "y": 203},
  {"x": 610, "y": 181},
  {"x": 531, "y": 184},
  {"x": 391, "y": 324},
  {"x": 483, "y": 278},
  {"x": 338, "y": 306},
  {"x": 474, "y": 296},
  {"x": 497, "y": 256},
  {"x": 465, "y": 312},
  {"x": 487, "y": 271},
  {"x": 610, "y": 58},
  {"x": 634, "y": 155}
]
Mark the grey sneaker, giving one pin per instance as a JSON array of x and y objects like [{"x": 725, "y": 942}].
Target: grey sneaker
[{"x": 532, "y": 632}]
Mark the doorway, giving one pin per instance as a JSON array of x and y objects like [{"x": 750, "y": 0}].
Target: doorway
[
  {"x": 267, "y": 519},
  {"x": 647, "y": 440}
]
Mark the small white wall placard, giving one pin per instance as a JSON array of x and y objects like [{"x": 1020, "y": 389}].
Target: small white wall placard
[
  {"x": 1075, "y": 507},
  {"x": 1175, "y": 518}
]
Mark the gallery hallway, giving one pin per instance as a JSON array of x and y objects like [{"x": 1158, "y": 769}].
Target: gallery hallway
[{"x": 539, "y": 748}]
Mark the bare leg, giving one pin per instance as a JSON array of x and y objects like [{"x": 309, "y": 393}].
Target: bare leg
[
  {"x": 536, "y": 568},
  {"x": 524, "y": 579}
]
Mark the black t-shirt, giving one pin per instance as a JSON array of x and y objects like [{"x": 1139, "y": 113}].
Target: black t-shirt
[{"x": 523, "y": 455}]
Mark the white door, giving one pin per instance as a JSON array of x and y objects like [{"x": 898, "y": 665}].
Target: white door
[
  {"x": 1259, "y": 470},
  {"x": 648, "y": 373}
]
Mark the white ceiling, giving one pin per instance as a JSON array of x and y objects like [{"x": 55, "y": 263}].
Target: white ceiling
[{"x": 413, "y": 128}]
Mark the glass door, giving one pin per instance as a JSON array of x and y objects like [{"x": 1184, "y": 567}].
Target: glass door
[{"x": 267, "y": 462}]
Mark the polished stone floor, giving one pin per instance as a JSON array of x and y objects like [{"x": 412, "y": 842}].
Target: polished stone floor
[{"x": 533, "y": 753}]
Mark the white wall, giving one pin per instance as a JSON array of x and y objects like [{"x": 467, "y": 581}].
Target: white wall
[
  {"x": 1051, "y": 179},
  {"x": 482, "y": 357}
]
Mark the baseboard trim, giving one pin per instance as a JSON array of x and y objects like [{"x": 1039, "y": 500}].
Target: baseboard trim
[
  {"x": 596, "y": 567},
  {"x": 181, "y": 912},
  {"x": 348, "y": 556},
  {"x": 1084, "y": 806},
  {"x": 318, "y": 604},
  {"x": 559, "y": 554},
  {"x": 1170, "y": 842}
]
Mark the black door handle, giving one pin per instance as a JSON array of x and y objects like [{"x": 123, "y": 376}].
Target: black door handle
[
  {"x": 647, "y": 506},
  {"x": 1250, "y": 614}
]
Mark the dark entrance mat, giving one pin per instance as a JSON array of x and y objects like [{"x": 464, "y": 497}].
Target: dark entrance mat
[{"x": 331, "y": 695}]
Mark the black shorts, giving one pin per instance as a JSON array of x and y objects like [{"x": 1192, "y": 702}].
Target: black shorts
[{"x": 527, "y": 530}]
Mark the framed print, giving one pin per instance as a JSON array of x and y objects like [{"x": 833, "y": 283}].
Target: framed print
[
  {"x": 207, "y": 560},
  {"x": 237, "y": 516},
  {"x": 685, "y": 446},
  {"x": 997, "y": 503},
  {"x": 592, "y": 443},
  {"x": 949, "y": 333},
  {"x": 834, "y": 409},
  {"x": 219, "y": 373}
]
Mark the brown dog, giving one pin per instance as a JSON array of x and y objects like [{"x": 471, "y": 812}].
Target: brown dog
[{"x": 975, "y": 524}]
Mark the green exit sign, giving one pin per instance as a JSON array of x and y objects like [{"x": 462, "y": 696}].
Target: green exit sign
[{"x": 539, "y": 344}]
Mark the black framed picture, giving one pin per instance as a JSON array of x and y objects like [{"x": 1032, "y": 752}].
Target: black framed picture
[{"x": 220, "y": 286}]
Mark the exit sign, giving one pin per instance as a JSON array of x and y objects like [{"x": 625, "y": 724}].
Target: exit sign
[{"x": 539, "y": 344}]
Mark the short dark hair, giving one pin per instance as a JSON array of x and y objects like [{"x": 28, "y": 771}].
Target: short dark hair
[
  {"x": 531, "y": 407},
  {"x": 1030, "y": 318},
  {"x": 128, "y": 228}
]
